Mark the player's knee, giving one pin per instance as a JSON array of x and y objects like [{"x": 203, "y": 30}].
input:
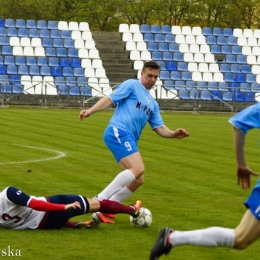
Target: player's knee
[{"x": 241, "y": 243}]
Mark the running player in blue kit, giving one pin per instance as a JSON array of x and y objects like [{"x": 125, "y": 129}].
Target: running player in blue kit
[
  {"x": 248, "y": 230},
  {"x": 135, "y": 106}
]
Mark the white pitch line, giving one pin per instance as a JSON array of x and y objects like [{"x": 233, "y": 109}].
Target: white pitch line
[{"x": 58, "y": 155}]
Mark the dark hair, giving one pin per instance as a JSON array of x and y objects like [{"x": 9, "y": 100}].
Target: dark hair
[{"x": 151, "y": 65}]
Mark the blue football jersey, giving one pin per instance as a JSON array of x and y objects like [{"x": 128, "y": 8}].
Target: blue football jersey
[{"x": 134, "y": 107}]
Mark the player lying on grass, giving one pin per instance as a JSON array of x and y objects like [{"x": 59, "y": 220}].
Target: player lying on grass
[
  {"x": 248, "y": 230},
  {"x": 20, "y": 211}
]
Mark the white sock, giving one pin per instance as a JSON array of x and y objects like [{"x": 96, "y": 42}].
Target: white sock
[
  {"x": 210, "y": 237},
  {"x": 121, "y": 195},
  {"x": 120, "y": 181}
]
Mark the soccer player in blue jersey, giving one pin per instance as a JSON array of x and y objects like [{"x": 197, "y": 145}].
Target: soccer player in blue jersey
[
  {"x": 135, "y": 106},
  {"x": 248, "y": 230},
  {"x": 20, "y": 211}
]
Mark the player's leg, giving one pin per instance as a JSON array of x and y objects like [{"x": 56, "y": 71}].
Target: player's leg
[{"x": 247, "y": 231}]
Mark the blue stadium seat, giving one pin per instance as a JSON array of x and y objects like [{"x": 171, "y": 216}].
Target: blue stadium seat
[
  {"x": 235, "y": 49},
  {"x": 16, "y": 85},
  {"x": 61, "y": 52},
  {"x": 19, "y": 60},
  {"x": 225, "y": 49},
  {"x": 182, "y": 66},
  {"x": 227, "y": 32},
  {"x": 7, "y": 50},
  {"x": 75, "y": 63},
  {"x": 230, "y": 58},
  {"x": 155, "y": 29},
  {"x": 216, "y": 95},
  {"x": 2, "y": 69},
  {"x": 67, "y": 71},
  {"x": 2, "y": 23},
  {"x": 11, "y": 32},
  {"x": 42, "y": 61},
  {"x": 22, "y": 33},
  {"x": 194, "y": 94},
  {"x": 9, "y": 60},
  {"x": 227, "y": 96},
  {"x": 171, "y": 65},
  {"x": 212, "y": 85},
  {"x": 52, "y": 25},
  {"x": 64, "y": 62},
  {"x": 156, "y": 55},
  {"x": 58, "y": 43},
  {"x": 238, "y": 96},
  {"x": 152, "y": 46},
  {"x": 31, "y": 61},
  {"x": 9, "y": 23},
  {"x": 175, "y": 75},
  {"x": 56, "y": 71},
  {"x": 23, "y": 70},
  {"x": 74, "y": 91},
  {"x": 41, "y": 24},
  {"x": 31, "y": 24},
  {"x": 250, "y": 78},
  {"x": 179, "y": 85},
  {"x": 186, "y": 76},
  {"x": 44, "y": 33},
  {"x": 2, "y": 32},
  {"x": 34, "y": 70},
  {"x": 217, "y": 31},
  {"x": 55, "y": 34},
  {"x": 50, "y": 52},
  {"x": 1, "y": 60},
  {"x": 232, "y": 40},
  {"x": 20, "y": 23},
  {"x": 33, "y": 33},
  {"x": 249, "y": 97},
  {"x": 240, "y": 78},
  {"x": 52, "y": 61},
  {"x": 221, "y": 40},
  {"x": 206, "y": 31},
  {"x": 233, "y": 86},
  {"x": 241, "y": 59},
  {"x": 164, "y": 75},
  {"x": 223, "y": 86},
  {"x": 145, "y": 28},
  {"x": 234, "y": 68},
  {"x": 245, "y": 69},
  {"x": 183, "y": 94},
  {"x": 148, "y": 37},
  {"x": 11, "y": 69},
  {"x": 65, "y": 34},
  {"x": 211, "y": 40},
  {"x": 229, "y": 77},
  {"x": 166, "y": 29},
  {"x": 69, "y": 43},
  {"x": 201, "y": 85},
  {"x": 190, "y": 84},
  {"x": 45, "y": 71},
  {"x": 158, "y": 37},
  {"x": 71, "y": 81},
  {"x": 205, "y": 95},
  {"x": 161, "y": 64},
  {"x": 215, "y": 49},
  {"x": 3, "y": 84},
  {"x": 177, "y": 56},
  {"x": 47, "y": 42},
  {"x": 73, "y": 53},
  {"x": 78, "y": 72},
  {"x": 244, "y": 87},
  {"x": 169, "y": 38},
  {"x": 224, "y": 67},
  {"x": 167, "y": 56},
  {"x": 163, "y": 46},
  {"x": 174, "y": 47},
  {"x": 168, "y": 84},
  {"x": 255, "y": 87}
]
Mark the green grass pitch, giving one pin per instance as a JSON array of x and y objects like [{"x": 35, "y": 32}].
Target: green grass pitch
[{"x": 189, "y": 183}]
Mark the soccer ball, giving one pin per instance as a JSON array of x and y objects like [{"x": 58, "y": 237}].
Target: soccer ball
[{"x": 144, "y": 219}]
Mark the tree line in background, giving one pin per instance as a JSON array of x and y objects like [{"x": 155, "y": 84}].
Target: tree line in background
[{"x": 106, "y": 15}]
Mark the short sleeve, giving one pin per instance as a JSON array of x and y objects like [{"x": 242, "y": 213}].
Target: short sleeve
[{"x": 16, "y": 196}]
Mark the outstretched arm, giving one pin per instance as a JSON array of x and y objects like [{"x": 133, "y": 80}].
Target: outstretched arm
[
  {"x": 102, "y": 104},
  {"x": 243, "y": 172},
  {"x": 164, "y": 131}
]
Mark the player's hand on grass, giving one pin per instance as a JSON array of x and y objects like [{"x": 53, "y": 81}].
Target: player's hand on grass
[
  {"x": 73, "y": 205},
  {"x": 243, "y": 176},
  {"x": 84, "y": 113},
  {"x": 180, "y": 133}
]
